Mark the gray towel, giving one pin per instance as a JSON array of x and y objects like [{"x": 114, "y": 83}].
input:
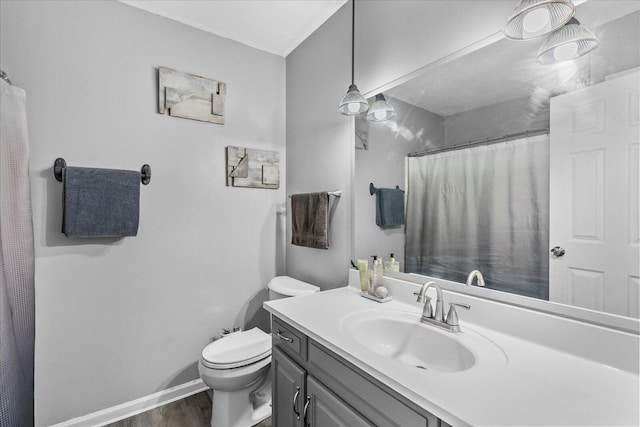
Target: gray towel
[
  {"x": 389, "y": 207},
  {"x": 309, "y": 220},
  {"x": 100, "y": 202}
]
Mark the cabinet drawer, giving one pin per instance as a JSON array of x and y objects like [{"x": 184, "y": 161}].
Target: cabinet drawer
[
  {"x": 366, "y": 397},
  {"x": 289, "y": 339}
]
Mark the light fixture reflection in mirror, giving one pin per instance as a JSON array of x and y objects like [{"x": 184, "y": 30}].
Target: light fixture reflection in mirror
[
  {"x": 535, "y": 18},
  {"x": 380, "y": 110},
  {"x": 495, "y": 90},
  {"x": 569, "y": 42},
  {"x": 565, "y": 52}
]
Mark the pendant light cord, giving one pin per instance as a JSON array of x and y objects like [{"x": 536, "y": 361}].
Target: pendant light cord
[{"x": 353, "y": 39}]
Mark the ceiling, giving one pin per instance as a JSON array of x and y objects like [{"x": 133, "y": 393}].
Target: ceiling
[{"x": 275, "y": 26}]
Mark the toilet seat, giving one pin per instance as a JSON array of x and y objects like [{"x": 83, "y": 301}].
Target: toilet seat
[
  {"x": 238, "y": 364},
  {"x": 237, "y": 349}
]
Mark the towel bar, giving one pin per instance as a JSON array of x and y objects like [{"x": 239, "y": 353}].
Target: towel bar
[
  {"x": 372, "y": 189},
  {"x": 336, "y": 193},
  {"x": 60, "y": 163}
]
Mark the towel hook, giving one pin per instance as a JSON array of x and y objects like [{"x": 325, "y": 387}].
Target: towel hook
[
  {"x": 145, "y": 174},
  {"x": 60, "y": 164}
]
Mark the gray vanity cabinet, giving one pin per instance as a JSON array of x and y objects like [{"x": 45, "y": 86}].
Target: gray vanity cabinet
[
  {"x": 289, "y": 383},
  {"x": 309, "y": 404},
  {"x": 309, "y": 379}
]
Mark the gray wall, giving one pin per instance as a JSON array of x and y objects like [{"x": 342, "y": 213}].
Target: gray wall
[
  {"x": 393, "y": 39},
  {"x": 118, "y": 320},
  {"x": 319, "y": 151},
  {"x": 500, "y": 119},
  {"x": 413, "y": 129}
]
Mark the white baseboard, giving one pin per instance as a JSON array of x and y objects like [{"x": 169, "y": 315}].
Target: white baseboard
[{"x": 134, "y": 407}]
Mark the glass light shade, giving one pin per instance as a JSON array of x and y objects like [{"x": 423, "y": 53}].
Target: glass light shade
[
  {"x": 380, "y": 110},
  {"x": 353, "y": 102},
  {"x": 569, "y": 42},
  {"x": 535, "y": 18}
]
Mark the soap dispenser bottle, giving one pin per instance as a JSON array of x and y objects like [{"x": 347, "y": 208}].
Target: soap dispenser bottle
[
  {"x": 377, "y": 273},
  {"x": 393, "y": 264}
]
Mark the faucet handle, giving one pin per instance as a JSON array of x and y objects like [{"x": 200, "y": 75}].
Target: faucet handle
[
  {"x": 452, "y": 315},
  {"x": 459, "y": 304},
  {"x": 420, "y": 296}
]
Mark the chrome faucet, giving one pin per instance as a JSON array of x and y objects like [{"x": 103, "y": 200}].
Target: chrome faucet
[
  {"x": 475, "y": 273},
  {"x": 436, "y": 318},
  {"x": 427, "y": 310}
]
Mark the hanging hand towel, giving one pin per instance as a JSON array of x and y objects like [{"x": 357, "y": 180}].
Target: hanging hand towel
[
  {"x": 309, "y": 220},
  {"x": 100, "y": 202},
  {"x": 389, "y": 207}
]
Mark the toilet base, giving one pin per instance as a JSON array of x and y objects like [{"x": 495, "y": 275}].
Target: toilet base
[
  {"x": 235, "y": 409},
  {"x": 242, "y": 408}
]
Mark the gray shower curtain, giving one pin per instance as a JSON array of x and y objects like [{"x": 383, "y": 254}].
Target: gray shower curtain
[
  {"x": 484, "y": 208},
  {"x": 16, "y": 263}
]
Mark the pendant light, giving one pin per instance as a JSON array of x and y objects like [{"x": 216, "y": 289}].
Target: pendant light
[
  {"x": 353, "y": 102},
  {"x": 535, "y": 18},
  {"x": 380, "y": 110},
  {"x": 569, "y": 42}
]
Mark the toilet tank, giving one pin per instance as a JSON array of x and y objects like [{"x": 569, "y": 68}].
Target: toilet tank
[{"x": 285, "y": 286}]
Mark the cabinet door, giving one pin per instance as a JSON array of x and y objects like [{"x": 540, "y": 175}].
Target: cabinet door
[
  {"x": 326, "y": 410},
  {"x": 288, "y": 391}
]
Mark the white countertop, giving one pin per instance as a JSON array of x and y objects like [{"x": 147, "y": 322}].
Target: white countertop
[{"x": 538, "y": 385}]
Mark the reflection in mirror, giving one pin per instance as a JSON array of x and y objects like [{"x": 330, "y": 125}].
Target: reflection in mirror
[{"x": 526, "y": 172}]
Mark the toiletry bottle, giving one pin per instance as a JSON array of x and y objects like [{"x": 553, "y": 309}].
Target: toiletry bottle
[
  {"x": 388, "y": 264},
  {"x": 393, "y": 264},
  {"x": 373, "y": 279},
  {"x": 363, "y": 269},
  {"x": 377, "y": 272},
  {"x": 372, "y": 275}
]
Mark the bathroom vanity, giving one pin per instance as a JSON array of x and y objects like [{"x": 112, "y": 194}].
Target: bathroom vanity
[
  {"x": 316, "y": 387},
  {"x": 340, "y": 359}
]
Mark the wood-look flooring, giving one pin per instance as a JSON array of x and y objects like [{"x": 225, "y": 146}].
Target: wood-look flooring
[{"x": 192, "y": 411}]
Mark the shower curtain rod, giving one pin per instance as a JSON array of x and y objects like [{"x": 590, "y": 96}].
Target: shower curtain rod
[
  {"x": 336, "y": 193},
  {"x": 487, "y": 141}
]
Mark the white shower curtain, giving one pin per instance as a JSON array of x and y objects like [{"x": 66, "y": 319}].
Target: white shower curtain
[
  {"x": 484, "y": 208},
  {"x": 16, "y": 263}
]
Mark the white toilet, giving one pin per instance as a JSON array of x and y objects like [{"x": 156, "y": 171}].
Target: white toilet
[{"x": 237, "y": 367}]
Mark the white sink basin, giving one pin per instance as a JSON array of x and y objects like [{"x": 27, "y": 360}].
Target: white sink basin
[{"x": 402, "y": 338}]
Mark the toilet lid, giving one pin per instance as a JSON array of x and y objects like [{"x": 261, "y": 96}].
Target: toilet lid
[
  {"x": 291, "y": 287},
  {"x": 237, "y": 349}
]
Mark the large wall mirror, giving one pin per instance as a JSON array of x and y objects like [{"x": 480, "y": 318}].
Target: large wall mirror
[{"x": 526, "y": 172}]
